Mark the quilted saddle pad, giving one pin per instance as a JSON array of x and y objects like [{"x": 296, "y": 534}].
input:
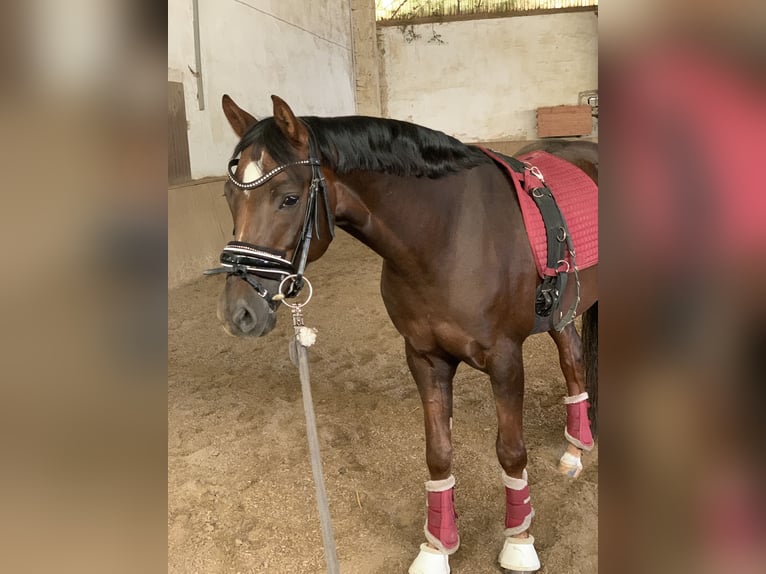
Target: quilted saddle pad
[{"x": 577, "y": 197}]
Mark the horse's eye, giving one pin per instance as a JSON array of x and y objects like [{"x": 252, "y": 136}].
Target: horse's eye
[{"x": 289, "y": 201}]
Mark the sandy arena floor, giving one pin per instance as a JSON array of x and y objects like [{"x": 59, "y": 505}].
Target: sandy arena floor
[{"x": 240, "y": 493}]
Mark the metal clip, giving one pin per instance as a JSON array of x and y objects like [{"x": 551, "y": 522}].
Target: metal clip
[
  {"x": 305, "y": 336},
  {"x": 534, "y": 170},
  {"x": 298, "y": 317}
]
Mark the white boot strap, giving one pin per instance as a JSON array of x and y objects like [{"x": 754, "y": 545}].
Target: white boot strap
[
  {"x": 576, "y": 399},
  {"x": 523, "y": 527},
  {"x": 440, "y": 485},
  {"x": 515, "y": 483},
  {"x": 577, "y": 442}
]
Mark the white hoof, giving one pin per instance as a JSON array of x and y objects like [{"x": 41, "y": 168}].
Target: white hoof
[
  {"x": 519, "y": 554},
  {"x": 570, "y": 465},
  {"x": 430, "y": 561}
]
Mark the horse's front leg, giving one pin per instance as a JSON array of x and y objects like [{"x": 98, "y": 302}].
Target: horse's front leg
[
  {"x": 433, "y": 373},
  {"x": 506, "y": 371}
]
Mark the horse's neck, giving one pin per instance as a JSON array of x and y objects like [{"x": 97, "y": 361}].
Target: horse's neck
[{"x": 401, "y": 219}]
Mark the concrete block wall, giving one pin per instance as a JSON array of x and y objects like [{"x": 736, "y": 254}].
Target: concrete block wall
[
  {"x": 301, "y": 51},
  {"x": 199, "y": 225},
  {"x": 366, "y": 57},
  {"x": 482, "y": 80}
]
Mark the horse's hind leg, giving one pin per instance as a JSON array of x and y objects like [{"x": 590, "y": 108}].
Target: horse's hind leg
[
  {"x": 577, "y": 430},
  {"x": 433, "y": 375},
  {"x": 506, "y": 371}
]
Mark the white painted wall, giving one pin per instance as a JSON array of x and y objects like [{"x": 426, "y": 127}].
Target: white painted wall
[
  {"x": 299, "y": 50},
  {"x": 487, "y": 79}
]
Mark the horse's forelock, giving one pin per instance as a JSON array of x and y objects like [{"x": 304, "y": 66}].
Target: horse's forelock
[{"x": 265, "y": 134}]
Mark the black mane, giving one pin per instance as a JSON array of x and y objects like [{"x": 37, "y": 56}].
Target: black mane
[{"x": 371, "y": 144}]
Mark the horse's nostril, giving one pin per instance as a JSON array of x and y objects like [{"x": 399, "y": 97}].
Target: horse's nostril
[{"x": 244, "y": 319}]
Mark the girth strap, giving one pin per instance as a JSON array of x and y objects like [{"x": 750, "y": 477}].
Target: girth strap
[{"x": 559, "y": 243}]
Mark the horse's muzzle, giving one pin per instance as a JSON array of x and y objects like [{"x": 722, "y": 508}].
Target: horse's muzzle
[{"x": 243, "y": 312}]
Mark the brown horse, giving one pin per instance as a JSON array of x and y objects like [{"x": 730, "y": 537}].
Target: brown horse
[{"x": 459, "y": 280}]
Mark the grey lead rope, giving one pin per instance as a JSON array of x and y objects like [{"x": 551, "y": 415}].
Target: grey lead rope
[
  {"x": 316, "y": 462},
  {"x": 304, "y": 338}
]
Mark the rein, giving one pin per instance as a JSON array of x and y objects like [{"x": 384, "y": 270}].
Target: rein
[
  {"x": 299, "y": 354},
  {"x": 251, "y": 262}
]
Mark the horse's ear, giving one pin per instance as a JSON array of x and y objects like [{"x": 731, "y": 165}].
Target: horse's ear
[
  {"x": 239, "y": 119},
  {"x": 288, "y": 123}
]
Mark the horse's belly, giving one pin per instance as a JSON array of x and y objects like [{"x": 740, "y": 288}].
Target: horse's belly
[{"x": 465, "y": 319}]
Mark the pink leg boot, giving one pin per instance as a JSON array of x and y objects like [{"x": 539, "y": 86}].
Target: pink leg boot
[
  {"x": 577, "y": 431},
  {"x": 518, "y": 508},
  {"x": 518, "y": 554},
  {"x": 441, "y": 526}
]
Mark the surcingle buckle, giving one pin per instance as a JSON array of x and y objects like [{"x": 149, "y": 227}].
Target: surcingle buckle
[{"x": 547, "y": 297}]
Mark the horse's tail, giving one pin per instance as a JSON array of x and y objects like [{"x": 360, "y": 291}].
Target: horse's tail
[{"x": 590, "y": 350}]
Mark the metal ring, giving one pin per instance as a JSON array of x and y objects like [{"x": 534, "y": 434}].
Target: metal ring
[
  {"x": 538, "y": 192},
  {"x": 561, "y": 235},
  {"x": 295, "y": 305},
  {"x": 561, "y": 262}
]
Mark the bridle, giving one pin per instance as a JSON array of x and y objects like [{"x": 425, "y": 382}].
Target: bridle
[{"x": 251, "y": 262}]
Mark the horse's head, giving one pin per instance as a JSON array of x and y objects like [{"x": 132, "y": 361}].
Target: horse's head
[{"x": 282, "y": 210}]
